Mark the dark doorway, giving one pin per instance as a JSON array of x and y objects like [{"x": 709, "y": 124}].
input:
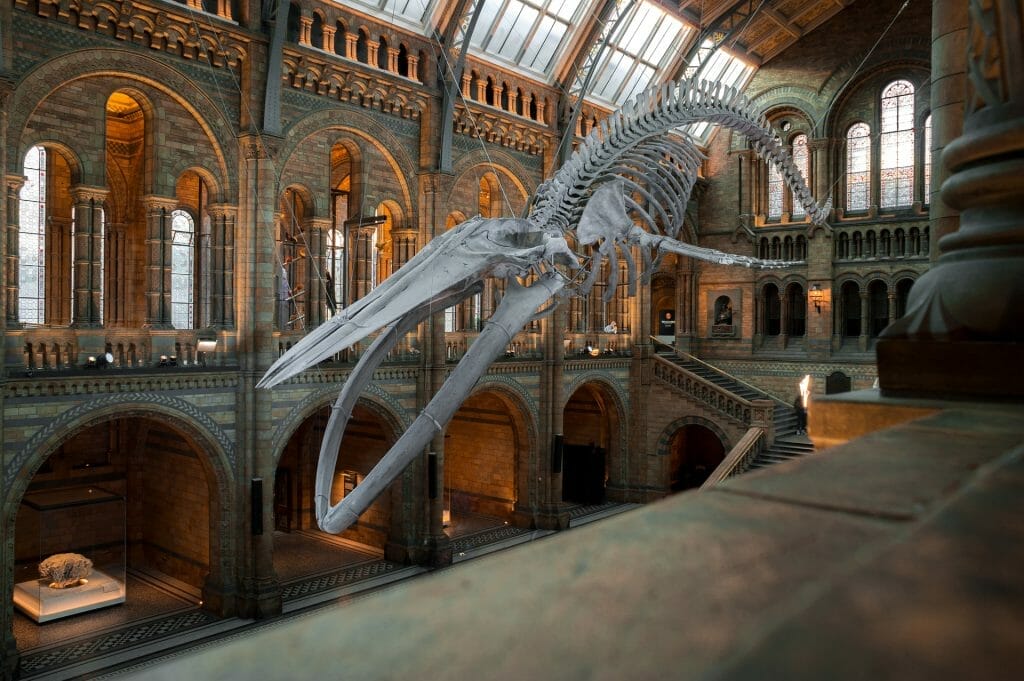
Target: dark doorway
[
  {"x": 696, "y": 451},
  {"x": 583, "y": 474}
]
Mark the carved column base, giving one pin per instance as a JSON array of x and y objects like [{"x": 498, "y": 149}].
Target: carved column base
[
  {"x": 547, "y": 517},
  {"x": 950, "y": 369},
  {"x": 262, "y": 599}
]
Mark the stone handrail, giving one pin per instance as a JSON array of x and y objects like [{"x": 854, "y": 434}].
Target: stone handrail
[
  {"x": 697, "y": 360},
  {"x": 745, "y": 412},
  {"x": 739, "y": 458}
]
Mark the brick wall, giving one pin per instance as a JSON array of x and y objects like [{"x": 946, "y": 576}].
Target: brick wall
[
  {"x": 481, "y": 445},
  {"x": 176, "y": 508}
]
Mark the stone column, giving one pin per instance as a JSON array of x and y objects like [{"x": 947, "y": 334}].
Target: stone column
[
  {"x": 316, "y": 294},
  {"x": 498, "y": 90},
  {"x": 865, "y": 320},
  {"x": 513, "y": 96},
  {"x": 404, "y": 247},
  {"x": 88, "y": 265},
  {"x": 222, "y": 245},
  {"x": 224, "y": 9},
  {"x": 819, "y": 180},
  {"x": 361, "y": 239},
  {"x": 258, "y": 592},
  {"x": 541, "y": 107},
  {"x": 305, "y": 31},
  {"x": 372, "y": 46},
  {"x": 11, "y": 250},
  {"x": 481, "y": 90},
  {"x": 466, "y": 81},
  {"x": 413, "y": 62},
  {"x": 892, "y": 306},
  {"x": 352, "y": 46},
  {"x": 158, "y": 260},
  {"x": 329, "y": 32},
  {"x": 393, "y": 59},
  {"x": 958, "y": 340}
]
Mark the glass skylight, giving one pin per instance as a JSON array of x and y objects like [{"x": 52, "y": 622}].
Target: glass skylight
[
  {"x": 415, "y": 13},
  {"x": 529, "y": 34},
  {"x": 722, "y": 67},
  {"x": 637, "y": 53}
]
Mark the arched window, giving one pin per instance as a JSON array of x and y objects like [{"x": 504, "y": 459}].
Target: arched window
[
  {"x": 772, "y": 310},
  {"x": 316, "y": 34},
  {"x": 183, "y": 230},
  {"x": 776, "y": 189},
  {"x": 858, "y": 167},
  {"x": 32, "y": 239},
  {"x": 926, "y": 166},
  {"x": 878, "y": 303},
  {"x": 896, "y": 145},
  {"x": 334, "y": 276},
  {"x": 796, "y": 302},
  {"x": 850, "y": 309},
  {"x": 801, "y": 159}
]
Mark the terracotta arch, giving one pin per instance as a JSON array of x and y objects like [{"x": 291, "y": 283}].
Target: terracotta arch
[
  {"x": 216, "y": 460},
  {"x": 136, "y": 68}
]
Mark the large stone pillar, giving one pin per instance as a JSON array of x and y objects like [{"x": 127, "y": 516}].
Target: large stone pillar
[
  {"x": 964, "y": 325},
  {"x": 316, "y": 231},
  {"x": 259, "y": 592}
]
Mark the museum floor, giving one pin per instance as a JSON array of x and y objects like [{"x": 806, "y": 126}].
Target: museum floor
[{"x": 161, "y": 614}]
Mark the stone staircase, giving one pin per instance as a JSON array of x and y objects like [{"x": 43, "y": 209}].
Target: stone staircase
[{"x": 788, "y": 444}]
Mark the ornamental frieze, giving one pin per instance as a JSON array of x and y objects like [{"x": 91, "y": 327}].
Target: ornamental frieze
[{"x": 171, "y": 32}]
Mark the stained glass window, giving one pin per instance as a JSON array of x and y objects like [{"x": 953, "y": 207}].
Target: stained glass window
[
  {"x": 896, "y": 145},
  {"x": 32, "y": 239},
  {"x": 182, "y": 269},
  {"x": 801, "y": 159},
  {"x": 927, "y": 160},
  {"x": 858, "y": 166},
  {"x": 642, "y": 49},
  {"x": 776, "y": 188}
]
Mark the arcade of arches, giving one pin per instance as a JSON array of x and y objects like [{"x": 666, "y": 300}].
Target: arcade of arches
[{"x": 174, "y": 222}]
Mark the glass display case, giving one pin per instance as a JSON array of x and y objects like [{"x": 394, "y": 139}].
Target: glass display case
[{"x": 70, "y": 552}]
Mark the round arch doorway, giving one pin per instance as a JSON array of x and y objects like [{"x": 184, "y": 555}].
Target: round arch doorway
[
  {"x": 695, "y": 451},
  {"x": 301, "y": 548},
  {"x": 138, "y": 497}
]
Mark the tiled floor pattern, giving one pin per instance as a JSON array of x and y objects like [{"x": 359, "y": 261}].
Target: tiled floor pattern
[
  {"x": 298, "y": 554},
  {"x": 37, "y": 663}
]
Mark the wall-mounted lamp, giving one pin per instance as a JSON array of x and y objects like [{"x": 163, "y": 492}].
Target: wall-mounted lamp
[
  {"x": 168, "y": 361},
  {"x": 817, "y": 296},
  {"x": 203, "y": 348}
]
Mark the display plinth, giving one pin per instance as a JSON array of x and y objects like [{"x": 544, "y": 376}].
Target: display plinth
[
  {"x": 42, "y": 603},
  {"x": 69, "y": 535}
]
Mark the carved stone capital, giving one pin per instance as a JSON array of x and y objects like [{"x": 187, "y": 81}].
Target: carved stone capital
[
  {"x": 14, "y": 183},
  {"x": 153, "y": 202},
  {"x": 85, "y": 194}
]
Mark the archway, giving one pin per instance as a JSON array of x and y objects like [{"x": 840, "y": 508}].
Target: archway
[
  {"x": 591, "y": 425},
  {"x": 695, "y": 451},
  {"x": 300, "y": 547},
  {"x": 137, "y": 496},
  {"x": 482, "y": 449}
]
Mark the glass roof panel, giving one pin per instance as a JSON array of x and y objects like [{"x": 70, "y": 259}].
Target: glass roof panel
[
  {"x": 641, "y": 51},
  {"x": 722, "y": 67},
  {"x": 413, "y": 13},
  {"x": 528, "y": 34}
]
